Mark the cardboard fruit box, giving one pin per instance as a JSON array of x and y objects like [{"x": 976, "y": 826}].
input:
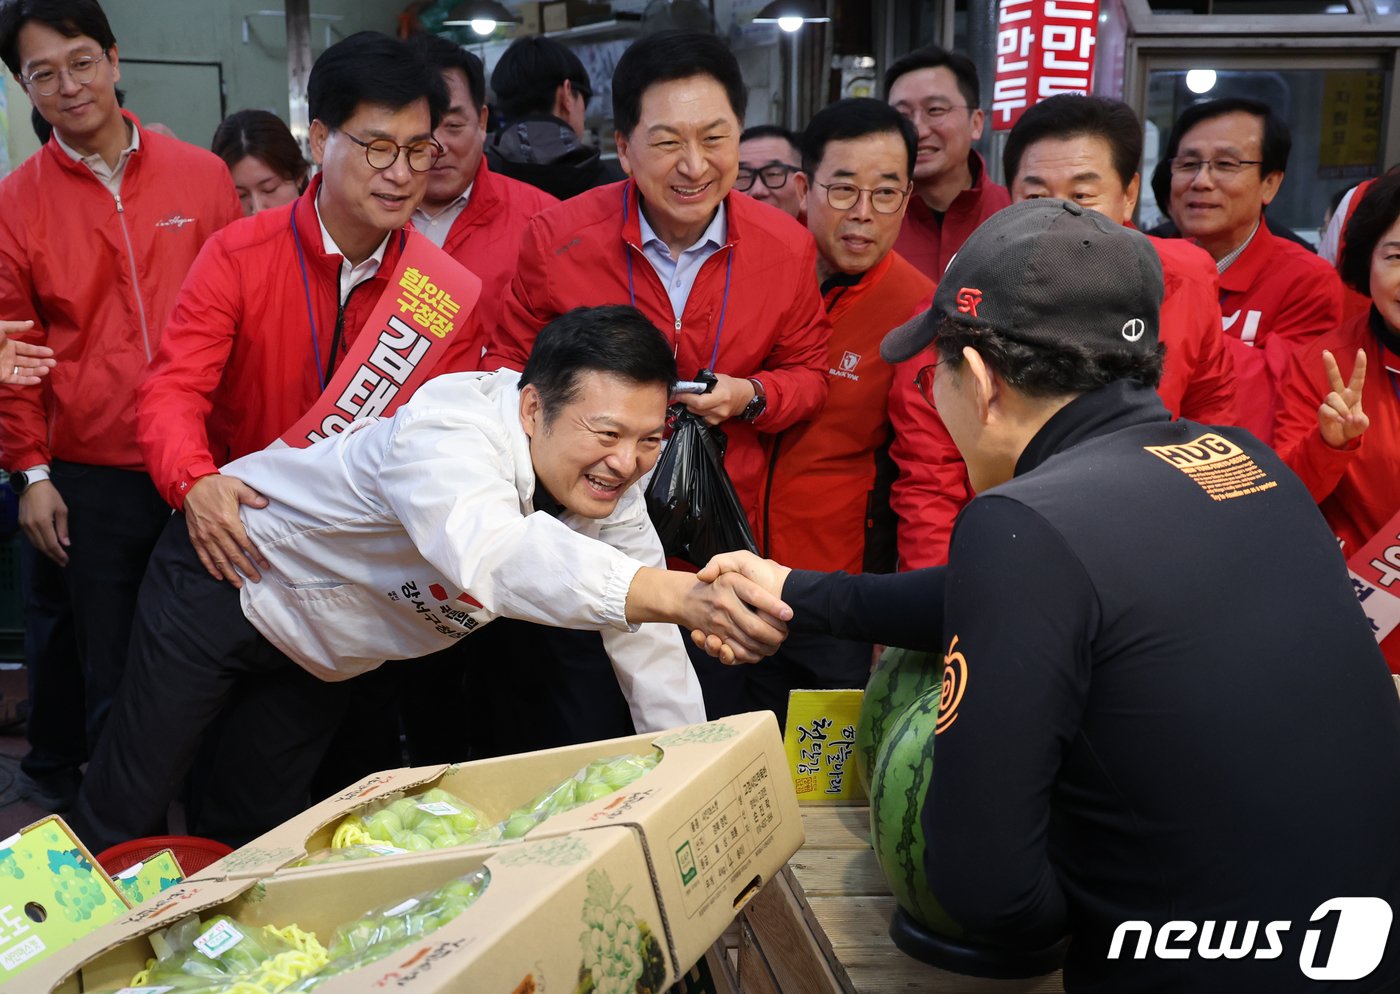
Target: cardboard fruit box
[
  {"x": 556, "y": 914},
  {"x": 716, "y": 818}
]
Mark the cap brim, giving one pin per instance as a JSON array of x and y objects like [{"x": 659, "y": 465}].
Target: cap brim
[{"x": 908, "y": 340}]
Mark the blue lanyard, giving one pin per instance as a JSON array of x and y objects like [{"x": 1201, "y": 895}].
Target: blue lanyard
[
  {"x": 306, "y": 290},
  {"x": 724, "y": 301}
]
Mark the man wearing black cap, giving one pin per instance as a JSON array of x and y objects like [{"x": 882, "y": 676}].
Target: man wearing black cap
[{"x": 1165, "y": 729}]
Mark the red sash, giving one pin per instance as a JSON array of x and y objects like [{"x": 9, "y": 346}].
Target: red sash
[
  {"x": 428, "y": 300},
  {"x": 1375, "y": 573}
]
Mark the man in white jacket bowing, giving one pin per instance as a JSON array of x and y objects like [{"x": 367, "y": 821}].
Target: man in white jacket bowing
[{"x": 486, "y": 495}]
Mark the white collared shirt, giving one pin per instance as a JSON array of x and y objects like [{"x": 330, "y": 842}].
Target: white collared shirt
[
  {"x": 350, "y": 276},
  {"x": 111, "y": 177},
  {"x": 678, "y": 275},
  {"x": 435, "y": 227},
  {"x": 1228, "y": 260}
]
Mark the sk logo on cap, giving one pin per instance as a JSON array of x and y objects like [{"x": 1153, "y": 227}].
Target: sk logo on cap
[{"x": 968, "y": 299}]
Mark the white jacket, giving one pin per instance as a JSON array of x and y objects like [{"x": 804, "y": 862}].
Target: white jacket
[{"x": 401, "y": 535}]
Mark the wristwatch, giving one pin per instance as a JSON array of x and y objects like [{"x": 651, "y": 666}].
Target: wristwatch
[
  {"x": 758, "y": 404},
  {"x": 22, "y": 481}
]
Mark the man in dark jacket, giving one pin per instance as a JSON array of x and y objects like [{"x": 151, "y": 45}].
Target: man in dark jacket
[
  {"x": 542, "y": 92},
  {"x": 1165, "y": 728}
]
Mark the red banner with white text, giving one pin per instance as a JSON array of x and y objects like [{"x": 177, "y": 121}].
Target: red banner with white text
[{"x": 1044, "y": 47}]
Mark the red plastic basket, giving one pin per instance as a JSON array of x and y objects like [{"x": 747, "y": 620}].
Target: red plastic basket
[{"x": 191, "y": 852}]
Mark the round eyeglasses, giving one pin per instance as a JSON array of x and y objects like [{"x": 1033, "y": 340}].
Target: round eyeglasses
[
  {"x": 46, "y": 82},
  {"x": 382, "y": 153},
  {"x": 844, "y": 196}
]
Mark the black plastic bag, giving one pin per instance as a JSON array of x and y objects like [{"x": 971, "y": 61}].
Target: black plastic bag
[{"x": 691, "y": 499}]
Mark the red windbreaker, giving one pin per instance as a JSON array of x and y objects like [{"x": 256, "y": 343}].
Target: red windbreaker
[
  {"x": 238, "y": 364},
  {"x": 1276, "y": 297},
  {"x": 486, "y": 239},
  {"x": 821, "y": 506},
  {"x": 928, "y": 242},
  {"x": 1357, "y": 489},
  {"x": 98, "y": 276},
  {"x": 587, "y": 251},
  {"x": 1197, "y": 384}
]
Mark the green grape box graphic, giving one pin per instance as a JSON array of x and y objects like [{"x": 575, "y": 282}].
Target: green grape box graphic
[
  {"x": 149, "y": 877},
  {"x": 621, "y": 953},
  {"x": 51, "y": 894}
]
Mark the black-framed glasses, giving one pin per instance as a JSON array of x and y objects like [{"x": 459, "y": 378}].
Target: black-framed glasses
[
  {"x": 582, "y": 89},
  {"x": 382, "y": 153},
  {"x": 1190, "y": 165},
  {"x": 923, "y": 381},
  {"x": 82, "y": 70},
  {"x": 774, "y": 175},
  {"x": 844, "y": 196}
]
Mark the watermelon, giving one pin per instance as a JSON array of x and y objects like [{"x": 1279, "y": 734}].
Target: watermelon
[
  {"x": 900, "y": 676},
  {"x": 899, "y": 784}
]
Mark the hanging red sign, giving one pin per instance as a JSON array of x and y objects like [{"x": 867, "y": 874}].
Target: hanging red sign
[{"x": 1044, "y": 47}]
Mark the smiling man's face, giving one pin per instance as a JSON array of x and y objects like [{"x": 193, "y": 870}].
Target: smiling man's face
[
  {"x": 684, "y": 155},
  {"x": 853, "y": 240}
]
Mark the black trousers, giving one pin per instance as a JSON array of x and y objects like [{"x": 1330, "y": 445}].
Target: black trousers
[
  {"x": 194, "y": 658},
  {"x": 114, "y": 519},
  {"x": 57, "y": 723}
]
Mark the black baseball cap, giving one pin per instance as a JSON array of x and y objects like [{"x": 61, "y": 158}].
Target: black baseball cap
[{"x": 1049, "y": 273}]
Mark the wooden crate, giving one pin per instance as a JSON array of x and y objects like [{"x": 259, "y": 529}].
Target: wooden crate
[{"x": 821, "y": 927}]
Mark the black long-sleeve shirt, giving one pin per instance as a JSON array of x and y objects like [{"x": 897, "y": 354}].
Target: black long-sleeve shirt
[{"x": 1166, "y": 705}]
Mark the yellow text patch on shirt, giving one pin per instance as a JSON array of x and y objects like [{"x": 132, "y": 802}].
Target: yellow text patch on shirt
[{"x": 1221, "y": 468}]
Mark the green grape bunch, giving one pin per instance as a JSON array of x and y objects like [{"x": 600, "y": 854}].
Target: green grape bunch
[
  {"x": 75, "y": 884},
  {"x": 616, "y": 959}
]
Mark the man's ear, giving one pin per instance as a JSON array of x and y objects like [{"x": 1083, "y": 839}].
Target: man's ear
[
  {"x": 986, "y": 386},
  {"x": 484, "y": 118},
  {"x": 1269, "y": 187},
  {"x": 801, "y": 184},
  {"x": 620, "y": 140},
  {"x": 319, "y": 134},
  {"x": 531, "y": 412},
  {"x": 563, "y": 94}
]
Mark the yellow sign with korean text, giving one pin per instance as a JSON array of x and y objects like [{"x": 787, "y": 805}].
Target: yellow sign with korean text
[{"x": 820, "y": 740}]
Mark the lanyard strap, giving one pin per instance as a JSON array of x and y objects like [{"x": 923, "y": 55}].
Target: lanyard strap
[
  {"x": 306, "y": 290},
  {"x": 724, "y": 301}
]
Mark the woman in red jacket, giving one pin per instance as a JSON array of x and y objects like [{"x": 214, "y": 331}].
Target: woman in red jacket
[{"x": 1342, "y": 436}]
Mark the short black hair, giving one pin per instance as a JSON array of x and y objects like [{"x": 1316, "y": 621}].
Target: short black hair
[
  {"x": 443, "y": 55},
  {"x": 855, "y": 117},
  {"x": 1278, "y": 140},
  {"x": 528, "y": 74},
  {"x": 70, "y": 18},
  {"x": 672, "y": 55},
  {"x": 371, "y": 68},
  {"x": 1370, "y": 219},
  {"x": 615, "y": 339},
  {"x": 1039, "y": 371},
  {"x": 1077, "y": 115},
  {"x": 934, "y": 57},
  {"x": 772, "y": 131}
]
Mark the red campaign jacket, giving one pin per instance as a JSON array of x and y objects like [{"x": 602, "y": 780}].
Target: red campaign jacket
[
  {"x": 1357, "y": 489},
  {"x": 822, "y": 499},
  {"x": 584, "y": 251},
  {"x": 928, "y": 243},
  {"x": 1198, "y": 374},
  {"x": 98, "y": 277},
  {"x": 238, "y": 364},
  {"x": 1276, "y": 297},
  {"x": 1197, "y": 384},
  {"x": 486, "y": 239}
]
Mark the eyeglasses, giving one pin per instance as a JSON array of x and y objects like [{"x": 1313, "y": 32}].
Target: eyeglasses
[
  {"x": 774, "y": 175},
  {"x": 82, "y": 70},
  {"x": 1184, "y": 165},
  {"x": 582, "y": 89},
  {"x": 934, "y": 112},
  {"x": 382, "y": 153},
  {"x": 844, "y": 196},
  {"x": 923, "y": 381}
]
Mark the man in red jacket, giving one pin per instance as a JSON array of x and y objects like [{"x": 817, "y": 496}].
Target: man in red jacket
[
  {"x": 938, "y": 91},
  {"x": 1227, "y": 163},
  {"x": 826, "y": 500},
  {"x": 1087, "y": 150},
  {"x": 729, "y": 279},
  {"x": 477, "y": 216},
  {"x": 96, "y": 231}
]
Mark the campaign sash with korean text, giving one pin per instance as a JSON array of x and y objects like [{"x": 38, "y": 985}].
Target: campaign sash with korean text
[{"x": 428, "y": 300}]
